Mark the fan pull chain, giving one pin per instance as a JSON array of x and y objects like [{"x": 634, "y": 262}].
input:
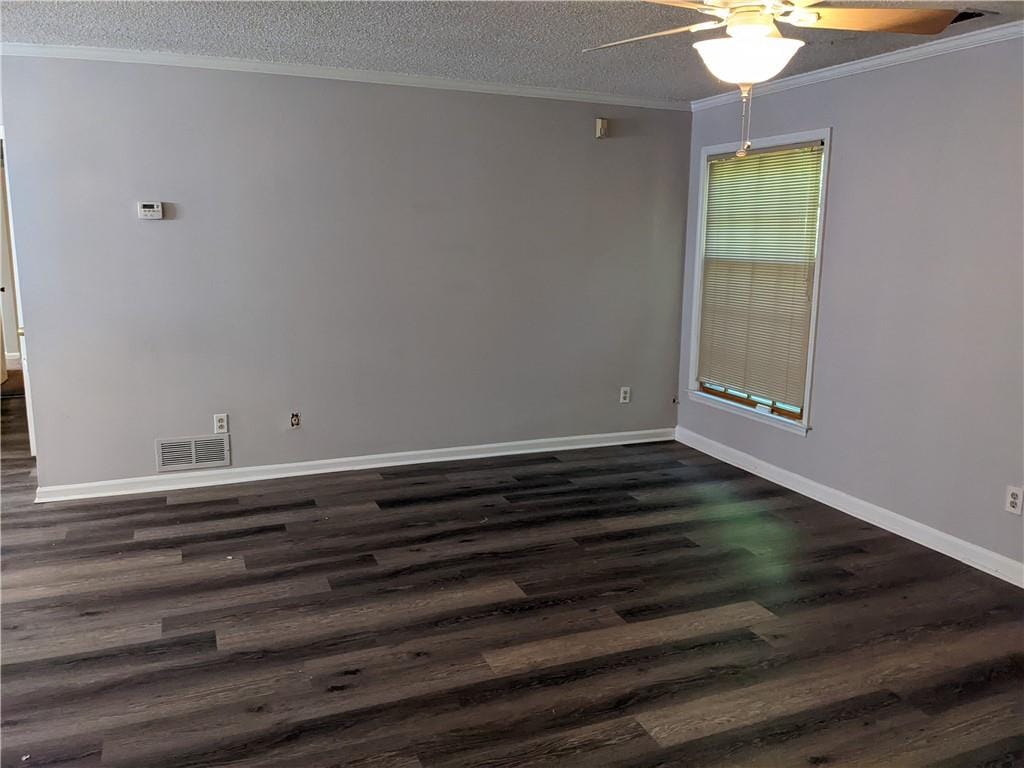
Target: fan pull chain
[{"x": 745, "y": 99}]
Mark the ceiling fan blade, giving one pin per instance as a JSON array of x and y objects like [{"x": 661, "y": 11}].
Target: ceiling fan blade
[
  {"x": 708, "y": 8},
  {"x": 664, "y": 33},
  {"x": 915, "y": 21}
]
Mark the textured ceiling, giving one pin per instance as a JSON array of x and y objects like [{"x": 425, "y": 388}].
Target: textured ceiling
[{"x": 509, "y": 43}]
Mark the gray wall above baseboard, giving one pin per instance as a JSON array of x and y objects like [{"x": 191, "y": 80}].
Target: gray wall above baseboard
[
  {"x": 917, "y": 403},
  {"x": 408, "y": 268}
]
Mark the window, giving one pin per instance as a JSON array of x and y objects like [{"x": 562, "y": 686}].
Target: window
[{"x": 758, "y": 278}]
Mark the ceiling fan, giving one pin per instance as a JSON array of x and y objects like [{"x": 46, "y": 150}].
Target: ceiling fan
[{"x": 754, "y": 51}]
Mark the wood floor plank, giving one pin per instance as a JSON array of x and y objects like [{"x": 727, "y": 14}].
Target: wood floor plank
[
  {"x": 919, "y": 743},
  {"x": 821, "y": 627},
  {"x": 446, "y": 643},
  {"x": 33, "y": 684},
  {"x": 1004, "y": 753},
  {"x": 803, "y": 738},
  {"x": 470, "y": 545},
  {"x": 599, "y": 642},
  {"x": 31, "y": 645},
  {"x": 885, "y": 666},
  {"x": 298, "y": 626},
  {"x": 90, "y": 567},
  {"x": 84, "y": 582},
  {"x": 178, "y": 695},
  {"x": 332, "y": 759},
  {"x": 602, "y": 743},
  {"x": 153, "y": 604},
  {"x": 13, "y": 537}
]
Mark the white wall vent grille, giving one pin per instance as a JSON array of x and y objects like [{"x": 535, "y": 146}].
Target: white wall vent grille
[{"x": 193, "y": 452}]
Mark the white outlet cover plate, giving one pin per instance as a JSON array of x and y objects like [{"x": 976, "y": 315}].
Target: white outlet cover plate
[
  {"x": 1014, "y": 499},
  {"x": 220, "y": 423}
]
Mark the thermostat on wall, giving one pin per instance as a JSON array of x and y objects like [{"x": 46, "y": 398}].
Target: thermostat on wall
[{"x": 151, "y": 210}]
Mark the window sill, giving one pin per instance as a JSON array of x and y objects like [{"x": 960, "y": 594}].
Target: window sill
[{"x": 780, "y": 422}]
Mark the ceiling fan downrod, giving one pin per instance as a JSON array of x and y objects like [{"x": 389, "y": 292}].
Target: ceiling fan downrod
[{"x": 746, "y": 92}]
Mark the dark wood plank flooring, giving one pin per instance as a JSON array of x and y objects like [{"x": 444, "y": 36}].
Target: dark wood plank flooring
[{"x": 627, "y": 606}]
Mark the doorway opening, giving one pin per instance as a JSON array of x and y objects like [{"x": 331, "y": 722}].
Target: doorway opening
[{"x": 13, "y": 360}]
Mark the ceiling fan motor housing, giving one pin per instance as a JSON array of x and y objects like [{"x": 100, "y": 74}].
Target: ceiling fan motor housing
[{"x": 751, "y": 22}]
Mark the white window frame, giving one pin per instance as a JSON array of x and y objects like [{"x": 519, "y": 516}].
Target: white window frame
[{"x": 790, "y": 425}]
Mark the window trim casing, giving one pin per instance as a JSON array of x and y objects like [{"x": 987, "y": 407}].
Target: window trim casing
[{"x": 802, "y": 426}]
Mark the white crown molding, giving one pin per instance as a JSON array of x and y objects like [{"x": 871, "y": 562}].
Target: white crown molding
[
  {"x": 946, "y": 45},
  {"x": 228, "y": 475},
  {"x": 925, "y": 50},
  {"x": 329, "y": 73},
  {"x": 983, "y": 559}
]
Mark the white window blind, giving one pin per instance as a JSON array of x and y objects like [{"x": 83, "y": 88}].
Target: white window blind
[{"x": 760, "y": 248}]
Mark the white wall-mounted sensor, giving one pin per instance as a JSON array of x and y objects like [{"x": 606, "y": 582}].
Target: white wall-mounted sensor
[
  {"x": 601, "y": 128},
  {"x": 151, "y": 210}
]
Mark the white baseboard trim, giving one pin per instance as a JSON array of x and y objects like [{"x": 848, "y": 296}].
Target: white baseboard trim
[
  {"x": 983, "y": 559},
  {"x": 13, "y": 361},
  {"x": 228, "y": 475}
]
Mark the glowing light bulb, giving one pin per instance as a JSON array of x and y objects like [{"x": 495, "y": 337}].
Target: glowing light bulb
[{"x": 747, "y": 59}]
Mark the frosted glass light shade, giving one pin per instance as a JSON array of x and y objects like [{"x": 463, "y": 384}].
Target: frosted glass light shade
[{"x": 747, "y": 60}]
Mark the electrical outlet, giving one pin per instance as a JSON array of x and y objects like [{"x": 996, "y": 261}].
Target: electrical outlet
[
  {"x": 220, "y": 423},
  {"x": 1014, "y": 499},
  {"x": 296, "y": 420},
  {"x": 625, "y": 394}
]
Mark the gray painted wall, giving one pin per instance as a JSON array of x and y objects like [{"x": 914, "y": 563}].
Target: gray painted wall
[
  {"x": 409, "y": 268},
  {"x": 918, "y": 398}
]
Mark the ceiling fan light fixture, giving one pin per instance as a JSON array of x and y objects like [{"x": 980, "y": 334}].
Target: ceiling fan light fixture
[{"x": 747, "y": 60}]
